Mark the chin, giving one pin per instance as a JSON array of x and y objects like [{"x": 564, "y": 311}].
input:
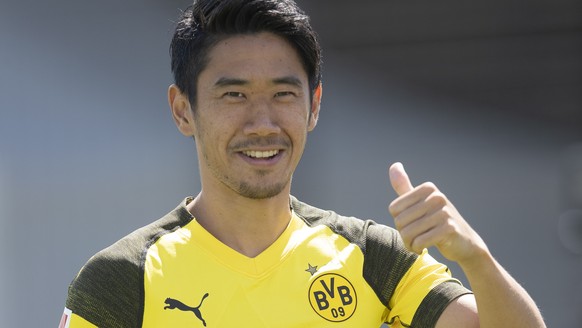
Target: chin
[{"x": 260, "y": 192}]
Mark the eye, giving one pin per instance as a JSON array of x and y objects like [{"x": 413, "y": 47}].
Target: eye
[
  {"x": 234, "y": 94},
  {"x": 284, "y": 94}
]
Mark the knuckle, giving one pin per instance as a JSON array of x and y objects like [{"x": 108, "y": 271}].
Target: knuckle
[
  {"x": 442, "y": 217},
  {"x": 449, "y": 227},
  {"x": 439, "y": 217},
  {"x": 429, "y": 186},
  {"x": 438, "y": 199}
]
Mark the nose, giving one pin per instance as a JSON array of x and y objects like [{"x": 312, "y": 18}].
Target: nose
[{"x": 262, "y": 120}]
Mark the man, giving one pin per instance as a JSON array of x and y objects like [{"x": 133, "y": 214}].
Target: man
[{"x": 244, "y": 252}]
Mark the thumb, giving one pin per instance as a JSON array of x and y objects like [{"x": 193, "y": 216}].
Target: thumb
[{"x": 399, "y": 179}]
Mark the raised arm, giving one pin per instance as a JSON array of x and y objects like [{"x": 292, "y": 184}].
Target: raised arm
[{"x": 425, "y": 217}]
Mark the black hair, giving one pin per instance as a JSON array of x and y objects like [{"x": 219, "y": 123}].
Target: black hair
[{"x": 206, "y": 22}]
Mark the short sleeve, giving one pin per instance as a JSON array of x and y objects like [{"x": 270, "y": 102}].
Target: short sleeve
[{"x": 423, "y": 293}]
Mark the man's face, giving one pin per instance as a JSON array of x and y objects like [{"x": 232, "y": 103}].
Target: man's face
[{"x": 252, "y": 115}]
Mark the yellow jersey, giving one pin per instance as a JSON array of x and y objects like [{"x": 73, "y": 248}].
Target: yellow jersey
[{"x": 325, "y": 270}]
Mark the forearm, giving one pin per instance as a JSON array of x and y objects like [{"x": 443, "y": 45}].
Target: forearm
[{"x": 501, "y": 301}]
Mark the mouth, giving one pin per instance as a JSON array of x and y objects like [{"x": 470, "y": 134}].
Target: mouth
[{"x": 261, "y": 154}]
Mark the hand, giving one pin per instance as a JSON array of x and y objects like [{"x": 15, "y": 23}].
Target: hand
[{"x": 425, "y": 217}]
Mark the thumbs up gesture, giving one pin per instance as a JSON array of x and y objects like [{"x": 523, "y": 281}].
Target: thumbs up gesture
[{"x": 425, "y": 217}]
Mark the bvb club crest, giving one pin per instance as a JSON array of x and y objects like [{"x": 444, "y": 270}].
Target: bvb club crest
[{"x": 333, "y": 297}]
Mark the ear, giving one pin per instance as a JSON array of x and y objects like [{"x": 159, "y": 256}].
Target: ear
[
  {"x": 315, "y": 106},
  {"x": 181, "y": 110}
]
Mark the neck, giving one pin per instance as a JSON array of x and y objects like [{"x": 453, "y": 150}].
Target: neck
[{"x": 249, "y": 226}]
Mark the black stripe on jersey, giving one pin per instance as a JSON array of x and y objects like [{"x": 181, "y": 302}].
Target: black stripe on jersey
[
  {"x": 109, "y": 289},
  {"x": 386, "y": 259},
  {"x": 433, "y": 305}
]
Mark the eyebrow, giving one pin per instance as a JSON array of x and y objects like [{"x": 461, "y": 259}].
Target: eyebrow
[
  {"x": 291, "y": 80},
  {"x": 228, "y": 81}
]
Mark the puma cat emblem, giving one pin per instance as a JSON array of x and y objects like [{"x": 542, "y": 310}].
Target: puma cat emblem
[{"x": 175, "y": 304}]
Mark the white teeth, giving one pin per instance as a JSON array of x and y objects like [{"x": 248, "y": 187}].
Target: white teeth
[{"x": 260, "y": 154}]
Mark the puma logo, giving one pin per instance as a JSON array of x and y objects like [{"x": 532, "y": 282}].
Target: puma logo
[{"x": 175, "y": 304}]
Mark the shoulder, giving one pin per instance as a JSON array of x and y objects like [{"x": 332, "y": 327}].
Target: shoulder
[
  {"x": 108, "y": 290},
  {"x": 370, "y": 236},
  {"x": 382, "y": 246}
]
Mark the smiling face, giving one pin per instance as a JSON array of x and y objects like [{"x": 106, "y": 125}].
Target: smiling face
[{"x": 252, "y": 115}]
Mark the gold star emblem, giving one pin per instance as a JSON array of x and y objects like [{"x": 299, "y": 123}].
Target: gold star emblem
[{"x": 311, "y": 269}]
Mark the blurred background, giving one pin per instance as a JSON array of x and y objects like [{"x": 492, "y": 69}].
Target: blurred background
[{"x": 484, "y": 99}]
